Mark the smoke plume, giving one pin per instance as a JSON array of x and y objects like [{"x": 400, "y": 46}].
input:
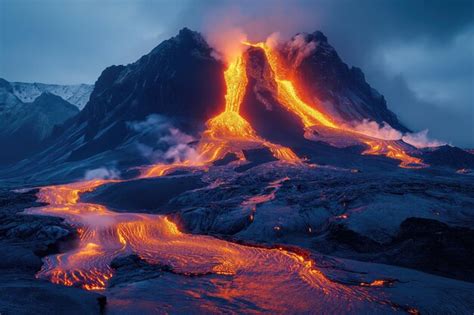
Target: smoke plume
[
  {"x": 299, "y": 49},
  {"x": 421, "y": 140},
  {"x": 165, "y": 143},
  {"x": 373, "y": 129},
  {"x": 102, "y": 173},
  {"x": 386, "y": 132}
]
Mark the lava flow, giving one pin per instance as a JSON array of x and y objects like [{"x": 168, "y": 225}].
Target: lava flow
[
  {"x": 287, "y": 95},
  {"x": 258, "y": 276},
  {"x": 228, "y": 132}
]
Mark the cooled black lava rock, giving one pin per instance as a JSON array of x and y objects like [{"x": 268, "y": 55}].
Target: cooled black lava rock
[
  {"x": 256, "y": 157},
  {"x": 436, "y": 247},
  {"x": 154, "y": 193},
  {"x": 261, "y": 108},
  {"x": 449, "y": 156}
]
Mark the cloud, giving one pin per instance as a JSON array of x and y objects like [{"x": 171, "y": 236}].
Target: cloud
[{"x": 436, "y": 73}]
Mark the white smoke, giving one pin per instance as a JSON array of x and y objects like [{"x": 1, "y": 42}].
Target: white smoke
[
  {"x": 300, "y": 49},
  {"x": 227, "y": 42},
  {"x": 421, "y": 140},
  {"x": 169, "y": 143},
  {"x": 153, "y": 123},
  {"x": 373, "y": 129},
  {"x": 102, "y": 173},
  {"x": 386, "y": 132}
]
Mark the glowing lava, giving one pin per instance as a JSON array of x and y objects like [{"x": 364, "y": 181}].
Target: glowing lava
[
  {"x": 257, "y": 276},
  {"x": 287, "y": 95},
  {"x": 228, "y": 132}
]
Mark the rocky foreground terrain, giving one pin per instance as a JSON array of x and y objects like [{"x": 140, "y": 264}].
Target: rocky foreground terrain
[{"x": 356, "y": 226}]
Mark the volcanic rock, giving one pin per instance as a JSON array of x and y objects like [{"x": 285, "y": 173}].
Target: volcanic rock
[{"x": 342, "y": 90}]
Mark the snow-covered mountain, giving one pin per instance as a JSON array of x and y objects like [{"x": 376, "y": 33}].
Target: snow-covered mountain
[
  {"x": 77, "y": 94},
  {"x": 26, "y": 126}
]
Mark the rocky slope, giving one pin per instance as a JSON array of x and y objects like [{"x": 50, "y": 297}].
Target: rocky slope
[
  {"x": 114, "y": 127},
  {"x": 154, "y": 84},
  {"x": 341, "y": 89}
]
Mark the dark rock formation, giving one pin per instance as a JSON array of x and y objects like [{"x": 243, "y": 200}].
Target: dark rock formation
[
  {"x": 449, "y": 156},
  {"x": 324, "y": 76}
]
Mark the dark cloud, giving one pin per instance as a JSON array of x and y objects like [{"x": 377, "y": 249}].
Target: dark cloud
[{"x": 417, "y": 53}]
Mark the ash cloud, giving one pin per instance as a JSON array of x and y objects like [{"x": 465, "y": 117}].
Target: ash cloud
[{"x": 299, "y": 49}]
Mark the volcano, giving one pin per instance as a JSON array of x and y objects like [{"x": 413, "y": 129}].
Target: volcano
[{"x": 199, "y": 185}]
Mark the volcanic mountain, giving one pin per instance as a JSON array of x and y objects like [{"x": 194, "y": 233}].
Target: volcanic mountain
[
  {"x": 154, "y": 85},
  {"x": 201, "y": 186}
]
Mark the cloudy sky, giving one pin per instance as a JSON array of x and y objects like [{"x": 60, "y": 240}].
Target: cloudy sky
[{"x": 419, "y": 54}]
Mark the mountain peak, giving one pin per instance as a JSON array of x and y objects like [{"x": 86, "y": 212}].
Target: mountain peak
[
  {"x": 4, "y": 84},
  {"x": 317, "y": 36},
  {"x": 186, "y": 32},
  {"x": 48, "y": 100}
]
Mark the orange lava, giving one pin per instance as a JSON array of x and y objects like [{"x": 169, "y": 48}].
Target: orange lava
[
  {"x": 228, "y": 132},
  {"x": 287, "y": 95},
  {"x": 258, "y": 275},
  {"x": 394, "y": 151},
  {"x": 230, "y": 128},
  {"x": 377, "y": 283}
]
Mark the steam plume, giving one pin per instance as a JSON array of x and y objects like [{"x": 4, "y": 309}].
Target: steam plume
[
  {"x": 168, "y": 144},
  {"x": 102, "y": 173},
  {"x": 421, "y": 140},
  {"x": 386, "y": 132}
]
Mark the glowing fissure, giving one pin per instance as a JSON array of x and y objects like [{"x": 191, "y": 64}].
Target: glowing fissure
[{"x": 287, "y": 95}]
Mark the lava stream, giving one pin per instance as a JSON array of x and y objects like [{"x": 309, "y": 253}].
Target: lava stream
[
  {"x": 228, "y": 132},
  {"x": 104, "y": 235},
  {"x": 287, "y": 95}
]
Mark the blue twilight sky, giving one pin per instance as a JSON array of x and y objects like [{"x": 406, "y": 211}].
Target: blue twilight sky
[{"x": 419, "y": 54}]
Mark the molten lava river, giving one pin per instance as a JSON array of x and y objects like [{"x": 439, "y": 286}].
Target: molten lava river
[
  {"x": 209, "y": 274},
  {"x": 231, "y": 275}
]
